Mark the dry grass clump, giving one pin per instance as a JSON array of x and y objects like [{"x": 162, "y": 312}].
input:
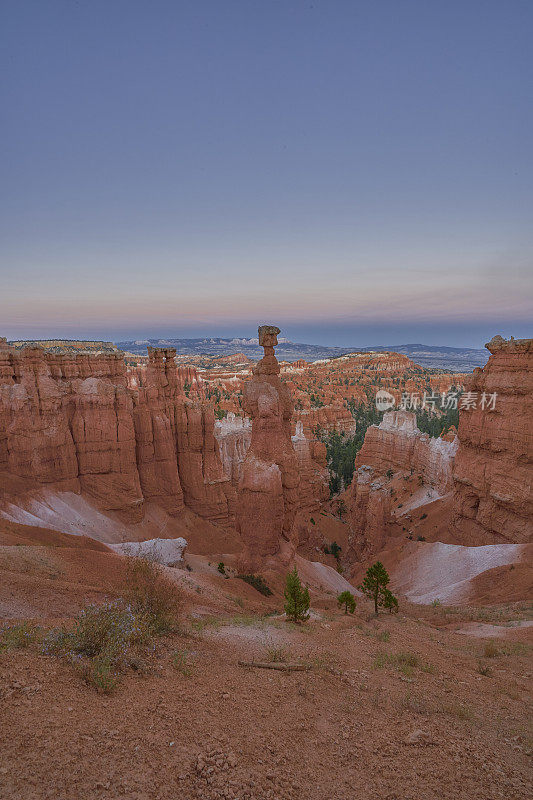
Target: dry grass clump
[
  {"x": 490, "y": 650},
  {"x": 181, "y": 662},
  {"x": 152, "y": 594},
  {"x": 460, "y": 710},
  {"x": 276, "y": 654},
  {"x": 404, "y": 662},
  {"x": 107, "y": 639},
  {"x": 17, "y": 637},
  {"x": 104, "y": 641},
  {"x": 414, "y": 703},
  {"x": 484, "y": 669}
]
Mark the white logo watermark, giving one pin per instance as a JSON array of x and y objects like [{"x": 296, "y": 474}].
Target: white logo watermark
[
  {"x": 413, "y": 401},
  {"x": 384, "y": 400}
]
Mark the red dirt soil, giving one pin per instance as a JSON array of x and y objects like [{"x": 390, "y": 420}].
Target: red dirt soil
[{"x": 348, "y": 728}]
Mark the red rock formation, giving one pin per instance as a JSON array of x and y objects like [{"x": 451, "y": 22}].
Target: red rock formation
[
  {"x": 397, "y": 444},
  {"x": 190, "y": 381},
  {"x": 314, "y": 475},
  {"x": 67, "y": 421},
  {"x": 268, "y": 491},
  {"x": 334, "y": 417},
  {"x": 369, "y": 508},
  {"x": 233, "y": 435},
  {"x": 493, "y": 475},
  {"x": 81, "y": 423}
]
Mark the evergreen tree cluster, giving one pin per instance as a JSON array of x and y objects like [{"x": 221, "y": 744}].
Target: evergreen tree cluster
[
  {"x": 429, "y": 422},
  {"x": 341, "y": 448}
]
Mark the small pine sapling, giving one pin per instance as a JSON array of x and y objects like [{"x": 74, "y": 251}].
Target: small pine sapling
[
  {"x": 390, "y": 601},
  {"x": 374, "y": 586},
  {"x": 297, "y": 598},
  {"x": 347, "y": 600}
]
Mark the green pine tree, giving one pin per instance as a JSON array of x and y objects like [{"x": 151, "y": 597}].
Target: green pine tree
[
  {"x": 297, "y": 598},
  {"x": 389, "y": 600},
  {"x": 335, "y": 550},
  {"x": 347, "y": 600},
  {"x": 374, "y": 586}
]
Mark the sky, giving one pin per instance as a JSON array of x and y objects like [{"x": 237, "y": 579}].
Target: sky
[{"x": 358, "y": 172}]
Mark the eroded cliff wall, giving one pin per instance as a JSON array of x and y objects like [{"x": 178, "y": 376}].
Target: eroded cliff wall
[
  {"x": 493, "y": 474},
  {"x": 397, "y": 444},
  {"x": 83, "y": 423}
]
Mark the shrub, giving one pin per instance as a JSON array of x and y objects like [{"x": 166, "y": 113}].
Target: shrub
[
  {"x": 221, "y": 568},
  {"x": 297, "y": 598},
  {"x": 258, "y": 582},
  {"x": 404, "y": 662},
  {"x": 490, "y": 650},
  {"x": 17, "y": 637},
  {"x": 99, "y": 673},
  {"x": 152, "y": 594},
  {"x": 374, "y": 587},
  {"x": 276, "y": 654},
  {"x": 389, "y": 473},
  {"x": 335, "y": 550},
  {"x": 347, "y": 600},
  {"x": 484, "y": 669},
  {"x": 108, "y": 629},
  {"x": 102, "y": 642}
]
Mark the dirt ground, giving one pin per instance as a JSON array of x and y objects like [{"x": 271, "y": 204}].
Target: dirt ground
[{"x": 359, "y": 723}]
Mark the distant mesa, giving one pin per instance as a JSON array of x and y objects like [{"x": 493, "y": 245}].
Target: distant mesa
[
  {"x": 65, "y": 345},
  {"x": 454, "y": 359}
]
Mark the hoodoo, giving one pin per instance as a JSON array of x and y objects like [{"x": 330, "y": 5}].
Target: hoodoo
[{"x": 268, "y": 489}]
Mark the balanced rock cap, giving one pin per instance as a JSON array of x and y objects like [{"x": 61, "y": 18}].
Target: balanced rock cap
[{"x": 268, "y": 335}]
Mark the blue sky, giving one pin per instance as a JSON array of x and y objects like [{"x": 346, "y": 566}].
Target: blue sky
[{"x": 355, "y": 172}]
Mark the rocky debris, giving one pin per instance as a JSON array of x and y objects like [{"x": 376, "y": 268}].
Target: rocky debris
[
  {"x": 219, "y": 777},
  {"x": 214, "y": 761},
  {"x": 169, "y": 552},
  {"x": 493, "y": 474},
  {"x": 419, "y": 737}
]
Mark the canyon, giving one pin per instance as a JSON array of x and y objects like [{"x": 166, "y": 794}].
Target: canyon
[
  {"x": 220, "y": 471},
  {"x": 164, "y": 440}
]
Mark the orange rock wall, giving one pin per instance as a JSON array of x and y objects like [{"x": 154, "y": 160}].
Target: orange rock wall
[
  {"x": 84, "y": 423},
  {"x": 493, "y": 475},
  {"x": 398, "y": 444}
]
